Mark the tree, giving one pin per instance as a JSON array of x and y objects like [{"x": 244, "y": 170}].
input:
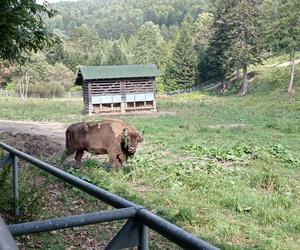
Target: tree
[
  {"x": 213, "y": 57},
  {"x": 5, "y": 74},
  {"x": 215, "y": 62},
  {"x": 203, "y": 32},
  {"x": 38, "y": 77},
  {"x": 22, "y": 28},
  {"x": 147, "y": 44},
  {"x": 283, "y": 31},
  {"x": 116, "y": 56},
  {"x": 181, "y": 68},
  {"x": 82, "y": 48},
  {"x": 245, "y": 34},
  {"x": 55, "y": 54},
  {"x": 61, "y": 75}
]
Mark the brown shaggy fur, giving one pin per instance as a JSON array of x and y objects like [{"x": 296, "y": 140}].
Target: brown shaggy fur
[{"x": 116, "y": 138}]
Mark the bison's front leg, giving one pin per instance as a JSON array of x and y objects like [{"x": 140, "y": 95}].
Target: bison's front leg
[
  {"x": 78, "y": 157},
  {"x": 122, "y": 158},
  {"x": 114, "y": 159},
  {"x": 115, "y": 162}
]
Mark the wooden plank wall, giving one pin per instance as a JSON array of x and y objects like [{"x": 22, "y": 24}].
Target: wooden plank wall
[
  {"x": 139, "y": 86},
  {"x": 113, "y": 87},
  {"x": 105, "y": 88},
  {"x": 85, "y": 94},
  {"x": 110, "y": 87}
]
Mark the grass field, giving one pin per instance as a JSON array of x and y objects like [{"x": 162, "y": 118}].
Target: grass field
[{"x": 226, "y": 168}]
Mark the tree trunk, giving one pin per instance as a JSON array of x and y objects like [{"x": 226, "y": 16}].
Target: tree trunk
[
  {"x": 21, "y": 88},
  {"x": 26, "y": 84},
  {"x": 290, "y": 89},
  {"x": 245, "y": 84},
  {"x": 237, "y": 74}
]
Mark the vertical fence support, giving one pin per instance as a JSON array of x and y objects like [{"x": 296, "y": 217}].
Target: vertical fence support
[
  {"x": 16, "y": 184},
  {"x": 143, "y": 237}
]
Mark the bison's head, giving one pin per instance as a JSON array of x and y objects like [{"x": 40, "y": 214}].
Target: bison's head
[{"x": 130, "y": 141}]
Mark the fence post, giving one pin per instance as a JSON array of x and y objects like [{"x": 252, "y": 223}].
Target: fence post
[
  {"x": 6, "y": 93},
  {"x": 143, "y": 238},
  {"x": 69, "y": 94},
  {"x": 16, "y": 184}
]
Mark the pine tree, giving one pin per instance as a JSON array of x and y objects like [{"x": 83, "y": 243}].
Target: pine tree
[
  {"x": 203, "y": 32},
  {"x": 147, "y": 46},
  {"x": 213, "y": 60},
  {"x": 123, "y": 44},
  {"x": 181, "y": 68},
  {"x": 116, "y": 56},
  {"x": 245, "y": 34}
]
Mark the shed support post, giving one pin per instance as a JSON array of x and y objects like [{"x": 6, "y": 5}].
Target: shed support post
[
  {"x": 154, "y": 106},
  {"x": 90, "y": 98},
  {"x": 123, "y": 107}
]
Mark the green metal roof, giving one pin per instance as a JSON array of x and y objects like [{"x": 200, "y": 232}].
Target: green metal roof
[{"x": 116, "y": 72}]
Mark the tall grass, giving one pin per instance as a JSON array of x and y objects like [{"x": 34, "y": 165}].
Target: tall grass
[{"x": 225, "y": 168}]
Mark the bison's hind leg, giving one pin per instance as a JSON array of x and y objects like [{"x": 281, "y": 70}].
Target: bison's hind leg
[{"x": 64, "y": 156}]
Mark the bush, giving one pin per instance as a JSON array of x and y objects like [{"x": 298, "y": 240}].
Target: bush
[{"x": 46, "y": 89}]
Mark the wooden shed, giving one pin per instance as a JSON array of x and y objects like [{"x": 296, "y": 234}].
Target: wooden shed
[{"x": 121, "y": 88}]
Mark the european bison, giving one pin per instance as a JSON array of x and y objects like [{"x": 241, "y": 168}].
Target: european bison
[{"x": 116, "y": 138}]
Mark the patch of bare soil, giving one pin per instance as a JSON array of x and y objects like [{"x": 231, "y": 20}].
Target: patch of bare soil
[
  {"x": 285, "y": 64},
  {"x": 53, "y": 130},
  {"x": 36, "y": 145}
]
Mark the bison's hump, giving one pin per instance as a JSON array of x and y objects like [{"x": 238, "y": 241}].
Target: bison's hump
[{"x": 117, "y": 126}]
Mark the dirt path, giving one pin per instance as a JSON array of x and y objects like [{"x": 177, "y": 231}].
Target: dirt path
[{"x": 53, "y": 130}]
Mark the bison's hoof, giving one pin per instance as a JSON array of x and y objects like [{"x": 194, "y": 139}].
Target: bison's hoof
[{"x": 76, "y": 165}]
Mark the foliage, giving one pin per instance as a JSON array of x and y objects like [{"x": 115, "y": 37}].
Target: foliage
[
  {"x": 147, "y": 44},
  {"x": 283, "y": 32},
  {"x": 246, "y": 41},
  {"x": 29, "y": 203},
  {"x": 111, "y": 19},
  {"x": 203, "y": 30},
  {"x": 44, "y": 79},
  {"x": 213, "y": 60},
  {"x": 22, "y": 28},
  {"x": 225, "y": 168},
  {"x": 181, "y": 67},
  {"x": 116, "y": 56}
]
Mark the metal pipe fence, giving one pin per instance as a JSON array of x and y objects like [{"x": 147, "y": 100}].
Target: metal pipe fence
[
  {"x": 133, "y": 234},
  {"x": 200, "y": 86}
]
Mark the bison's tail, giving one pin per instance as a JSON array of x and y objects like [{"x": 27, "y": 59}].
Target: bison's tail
[{"x": 68, "y": 137}]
